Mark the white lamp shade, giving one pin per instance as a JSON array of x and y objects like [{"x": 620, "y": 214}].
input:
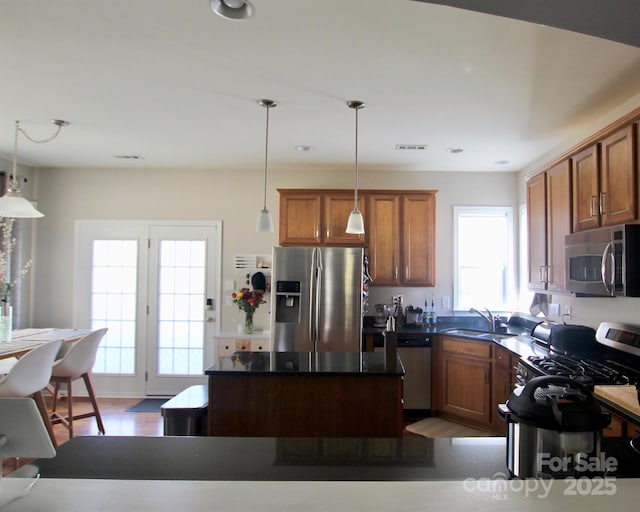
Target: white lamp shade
[
  {"x": 12, "y": 205},
  {"x": 355, "y": 224},
  {"x": 264, "y": 222}
]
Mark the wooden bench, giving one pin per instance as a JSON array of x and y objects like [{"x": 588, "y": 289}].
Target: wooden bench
[{"x": 186, "y": 413}]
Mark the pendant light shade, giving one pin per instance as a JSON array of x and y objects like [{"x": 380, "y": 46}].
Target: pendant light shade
[
  {"x": 264, "y": 222},
  {"x": 12, "y": 204},
  {"x": 355, "y": 224}
]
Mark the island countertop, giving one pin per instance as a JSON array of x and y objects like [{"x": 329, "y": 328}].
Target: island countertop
[{"x": 312, "y": 363}]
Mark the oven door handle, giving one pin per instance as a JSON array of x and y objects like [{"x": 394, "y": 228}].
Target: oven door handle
[{"x": 608, "y": 254}]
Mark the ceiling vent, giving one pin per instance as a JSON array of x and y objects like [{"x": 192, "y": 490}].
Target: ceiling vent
[{"x": 414, "y": 147}]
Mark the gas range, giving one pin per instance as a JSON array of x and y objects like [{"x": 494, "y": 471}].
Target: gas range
[{"x": 611, "y": 357}]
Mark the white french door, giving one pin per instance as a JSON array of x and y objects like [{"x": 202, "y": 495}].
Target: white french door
[
  {"x": 179, "y": 322},
  {"x": 155, "y": 286}
]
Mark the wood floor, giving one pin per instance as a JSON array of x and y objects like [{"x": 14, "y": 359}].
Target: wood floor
[{"x": 117, "y": 422}]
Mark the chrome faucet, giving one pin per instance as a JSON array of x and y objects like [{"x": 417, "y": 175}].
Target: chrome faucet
[{"x": 489, "y": 317}]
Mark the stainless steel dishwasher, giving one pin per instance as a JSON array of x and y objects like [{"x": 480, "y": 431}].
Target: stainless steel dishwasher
[{"x": 414, "y": 350}]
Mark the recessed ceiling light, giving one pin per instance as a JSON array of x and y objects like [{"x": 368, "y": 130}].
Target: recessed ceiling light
[
  {"x": 454, "y": 151},
  {"x": 128, "y": 157},
  {"x": 232, "y": 9},
  {"x": 501, "y": 162},
  {"x": 418, "y": 147},
  {"x": 304, "y": 148}
]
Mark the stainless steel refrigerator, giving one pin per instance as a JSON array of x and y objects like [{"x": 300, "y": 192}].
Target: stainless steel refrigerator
[{"x": 316, "y": 297}]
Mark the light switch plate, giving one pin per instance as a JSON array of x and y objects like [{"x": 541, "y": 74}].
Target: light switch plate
[{"x": 229, "y": 284}]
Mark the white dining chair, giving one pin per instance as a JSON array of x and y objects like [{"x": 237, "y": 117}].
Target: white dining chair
[
  {"x": 76, "y": 363},
  {"x": 29, "y": 375}
]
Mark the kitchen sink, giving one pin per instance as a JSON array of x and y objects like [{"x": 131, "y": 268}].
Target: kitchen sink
[{"x": 473, "y": 333}]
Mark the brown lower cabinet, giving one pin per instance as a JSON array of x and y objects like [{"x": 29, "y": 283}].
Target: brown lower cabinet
[
  {"x": 621, "y": 427},
  {"x": 469, "y": 379}
]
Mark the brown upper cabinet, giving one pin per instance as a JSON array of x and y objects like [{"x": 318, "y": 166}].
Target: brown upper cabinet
[
  {"x": 317, "y": 218},
  {"x": 399, "y": 229},
  {"x": 604, "y": 182},
  {"x": 401, "y": 238},
  {"x": 549, "y": 220}
]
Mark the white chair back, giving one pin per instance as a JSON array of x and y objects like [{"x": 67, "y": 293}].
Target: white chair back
[
  {"x": 81, "y": 357},
  {"x": 32, "y": 371}
]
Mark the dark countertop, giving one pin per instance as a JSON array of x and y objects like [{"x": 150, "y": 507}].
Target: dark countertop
[
  {"x": 316, "y": 363},
  {"x": 292, "y": 459},
  {"x": 519, "y": 328}
]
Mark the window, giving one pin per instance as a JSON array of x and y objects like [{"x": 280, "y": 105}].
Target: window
[
  {"x": 483, "y": 257},
  {"x": 113, "y": 303}
]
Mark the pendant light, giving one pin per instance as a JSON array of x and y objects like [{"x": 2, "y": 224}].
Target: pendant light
[
  {"x": 264, "y": 222},
  {"x": 12, "y": 204},
  {"x": 355, "y": 224}
]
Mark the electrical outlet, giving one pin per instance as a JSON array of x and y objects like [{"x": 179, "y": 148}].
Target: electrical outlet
[
  {"x": 446, "y": 302},
  {"x": 555, "y": 309},
  {"x": 567, "y": 311}
]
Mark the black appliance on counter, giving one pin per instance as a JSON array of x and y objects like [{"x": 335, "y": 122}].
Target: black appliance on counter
[
  {"x": 610, "y": 355},
  {"x": 554, "y": 429}
]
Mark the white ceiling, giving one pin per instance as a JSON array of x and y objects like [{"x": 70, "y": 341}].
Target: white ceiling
[{"x": 174, "y": 83}]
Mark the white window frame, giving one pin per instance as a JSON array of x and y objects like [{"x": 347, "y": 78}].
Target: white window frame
[{"x": 510, "y": 303}]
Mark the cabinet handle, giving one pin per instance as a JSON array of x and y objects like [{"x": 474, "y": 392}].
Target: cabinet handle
[
  {"x": 406, "y": 272},
  {"x": 541, "y": 274},
  {"x": 547, "y": 277},
  {"x": 602, "y": 200},
  {"x": 395, "y": 272},
  {"x": 592, "y": 208},
  {"x": 328, "y": 231},
  {"x": 317, "y": 231}
]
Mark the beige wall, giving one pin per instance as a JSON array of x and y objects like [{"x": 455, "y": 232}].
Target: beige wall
[{"x": 66, "y": 195}]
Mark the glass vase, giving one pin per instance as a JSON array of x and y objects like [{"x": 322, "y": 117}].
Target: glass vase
[
  {"x": 248, "y": 322},
  {"x": 6, "y": 319}
]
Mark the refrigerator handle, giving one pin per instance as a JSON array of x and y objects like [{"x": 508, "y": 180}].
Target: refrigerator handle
[
  {"x": 318, "y": 297},
  {"x": 312, "y": 294}
]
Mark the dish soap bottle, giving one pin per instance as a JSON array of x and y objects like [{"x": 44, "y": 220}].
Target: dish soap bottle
[
  {"x": 426, "y": 315},
  {"x": 432, "y": 312}
]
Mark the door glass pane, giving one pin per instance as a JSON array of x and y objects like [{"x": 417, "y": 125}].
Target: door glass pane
[
  {"x": 181, "y": 299},
  {"x": 114, "y": 276}
]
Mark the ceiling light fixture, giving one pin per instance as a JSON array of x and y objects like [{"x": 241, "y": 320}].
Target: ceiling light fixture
[
  {"x": 12, "y": 204},
  {"x": 454, "y": 151},
  {"x": 264, "y": 223},
  {"x": 355, "y": 224},
  {"x": 232, "y": 9}
]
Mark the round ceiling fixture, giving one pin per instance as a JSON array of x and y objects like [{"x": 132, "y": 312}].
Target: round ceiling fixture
[
  {"x": 232, "y": 9},
  {"x": 304, "y": 148},
  {"x": 454, "y": 150}
]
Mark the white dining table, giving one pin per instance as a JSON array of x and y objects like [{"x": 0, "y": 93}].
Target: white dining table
[{"x": 24, "y": 340}]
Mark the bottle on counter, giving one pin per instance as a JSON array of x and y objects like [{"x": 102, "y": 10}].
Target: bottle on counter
[
  {"x": 432, "y": 312},
  {"x": 426, "y": 314}
]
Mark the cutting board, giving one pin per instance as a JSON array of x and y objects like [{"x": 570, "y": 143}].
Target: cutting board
[{"x": 624, "y": 397}]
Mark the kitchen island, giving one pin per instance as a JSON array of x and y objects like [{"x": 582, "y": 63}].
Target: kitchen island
[{"x": 305, "y": 394}]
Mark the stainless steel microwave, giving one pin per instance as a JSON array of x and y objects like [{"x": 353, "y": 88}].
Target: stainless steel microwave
[{"x": 604, "y": 261}]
